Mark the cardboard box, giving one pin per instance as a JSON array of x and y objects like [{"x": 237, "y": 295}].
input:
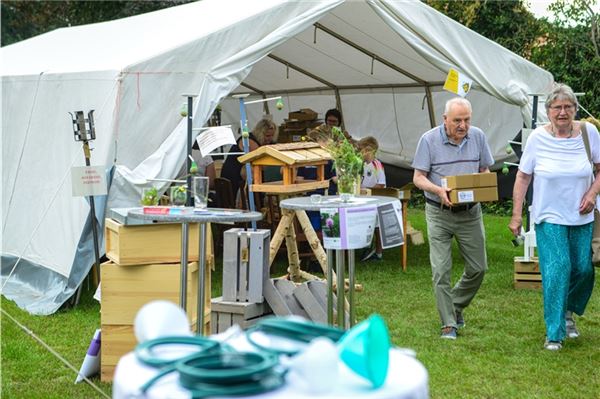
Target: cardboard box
[
  {"x": 151, "y": 243},
  {"x": 480, "y": 194},
  {"x": 471, "y": 180},
  {"x": 305, "y": 114},
  {"x": 390, "y": 192}
]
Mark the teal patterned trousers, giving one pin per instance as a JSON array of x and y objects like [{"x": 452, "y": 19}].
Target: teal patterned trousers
[{"x": 565, "y": 257}]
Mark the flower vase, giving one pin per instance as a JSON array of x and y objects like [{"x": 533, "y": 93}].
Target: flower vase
[
  {"x": 178, "y": 195},
  {"x": 347, "y": 185}
]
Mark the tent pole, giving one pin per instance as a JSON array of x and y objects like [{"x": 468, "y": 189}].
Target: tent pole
[{"x": 430, "y": 106}]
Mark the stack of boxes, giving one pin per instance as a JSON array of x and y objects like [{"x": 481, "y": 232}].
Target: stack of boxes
[
  {"x": 297, "y": 125},
  {"x": 475, "y": 187},
  {"x": 145, "y": 266}
]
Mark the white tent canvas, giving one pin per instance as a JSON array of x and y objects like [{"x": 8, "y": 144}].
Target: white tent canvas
[{"x": 383, "y": 62}]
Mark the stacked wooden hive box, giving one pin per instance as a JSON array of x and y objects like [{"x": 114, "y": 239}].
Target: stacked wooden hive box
[
  {"x": 297, "y": 125},
  {"x": 145, "y": 266}
]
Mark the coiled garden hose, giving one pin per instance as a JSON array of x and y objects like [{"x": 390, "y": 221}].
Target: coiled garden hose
[
  {"x": 215, "y": 370},
  {"x": 295, "y": 330}
]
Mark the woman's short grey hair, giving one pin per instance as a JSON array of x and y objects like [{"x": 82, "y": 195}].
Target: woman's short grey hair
[
  {"x": 261, "y": 127},
  {"x": 561, "y": 92},
  {"x": 457, "y": 100}
]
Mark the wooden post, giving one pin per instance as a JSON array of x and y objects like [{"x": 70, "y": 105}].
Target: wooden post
[
  {"x": 287, "y": 217},
  {"x": 293, "y": 256},
  {"x": 313, "y": 240}
]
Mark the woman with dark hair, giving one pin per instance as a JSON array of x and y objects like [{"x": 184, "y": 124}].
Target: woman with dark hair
[
  {"x": 265, "y": 132},
  {"x": 333, "y": 117}
]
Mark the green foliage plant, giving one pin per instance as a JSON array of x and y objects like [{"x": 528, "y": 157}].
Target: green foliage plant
[
  {"x": 347, "y": 160},
  {"x": 150, "y": 197}
]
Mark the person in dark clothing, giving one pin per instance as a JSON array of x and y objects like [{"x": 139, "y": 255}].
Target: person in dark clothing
[{"x": 265, "y": 132}]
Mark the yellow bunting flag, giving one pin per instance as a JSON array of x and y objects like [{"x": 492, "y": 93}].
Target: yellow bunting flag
[{"x": 457, "y": 83}]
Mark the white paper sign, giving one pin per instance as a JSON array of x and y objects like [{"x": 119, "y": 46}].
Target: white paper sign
[
  {"x": 88, "y": 181},
  {"x": 466, "y": 196},
  {"x": 213, "y": 138},
  {"x": 348, "y": 228}
]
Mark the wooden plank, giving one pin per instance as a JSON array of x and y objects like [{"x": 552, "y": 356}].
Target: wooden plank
[
  {"x": 286, "y": 288},
  {"x": 314, "y": 308},
  {"x": 244, "y": 257},
  {"x": 259, "y": 264},
  {"x": 246, "y": 309},
  {"x": 230, "y": 264},
  {"x": 528, "y": 277},
  {"x": 528, "y": 285},
  {"x": 279, "y": 188}
]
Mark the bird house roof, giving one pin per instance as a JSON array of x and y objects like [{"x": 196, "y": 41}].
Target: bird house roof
[{"x": 289, "y": 154}]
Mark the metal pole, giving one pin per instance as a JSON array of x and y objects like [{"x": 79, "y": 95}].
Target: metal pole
[
  {"x": 351, "y": 288},
  {"x": 330, "y": 287},
  {"x": 86, "y": 151},
  {"x": 246, "y": 143},
  {"x": 201, "y": 280},
  {"x": 188, "y": 161},
  {"x": 339, "y": 260},
  {"x": 184, "y": 266},
  {"x": 529, "y": 193}
]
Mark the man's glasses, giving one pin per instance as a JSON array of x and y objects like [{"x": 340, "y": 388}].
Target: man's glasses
[{"x": 558, "y": 108}]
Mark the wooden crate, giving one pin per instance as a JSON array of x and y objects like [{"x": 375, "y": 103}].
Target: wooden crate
[
  {"x": 527, "y": 274},
  {"x": 224, "y": 314},
  {"x": 126, "y": 289},
  {"x": 151, "y": 243},
  {"x": 118, "y": 340}
]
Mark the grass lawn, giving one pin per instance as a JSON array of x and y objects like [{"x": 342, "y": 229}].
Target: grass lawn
[{"x": 497, "y": 355}]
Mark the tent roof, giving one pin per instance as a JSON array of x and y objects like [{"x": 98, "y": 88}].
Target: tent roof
[{"x": 115, "y": 45}]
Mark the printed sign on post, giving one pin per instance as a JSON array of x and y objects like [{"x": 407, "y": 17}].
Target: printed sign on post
[
  {"x": 88, "y": 180},
  {"x": 348, "y": 228},
  {"x": 390, "y": 224},
  {"x": 213, "y": 138}
]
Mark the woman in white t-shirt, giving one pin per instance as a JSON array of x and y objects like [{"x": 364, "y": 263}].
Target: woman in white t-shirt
[{"x": 562, "y": 209}]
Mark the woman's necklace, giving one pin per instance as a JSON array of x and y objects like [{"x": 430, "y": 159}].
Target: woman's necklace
[{"x": 555, "y": 134}]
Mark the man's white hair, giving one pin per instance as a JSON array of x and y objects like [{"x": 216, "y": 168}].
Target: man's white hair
[{"x": 457, "y": 100}]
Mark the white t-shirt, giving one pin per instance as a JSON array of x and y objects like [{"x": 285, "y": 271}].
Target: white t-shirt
[
  {"x": 562, "y": 175},
  {"x": 373, "y": 174}
]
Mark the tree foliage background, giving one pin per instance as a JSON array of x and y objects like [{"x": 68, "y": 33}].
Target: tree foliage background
[{"x": 568, "y": 47}]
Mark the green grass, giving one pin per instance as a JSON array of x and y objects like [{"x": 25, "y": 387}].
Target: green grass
[{"x": 498, "y": 355}]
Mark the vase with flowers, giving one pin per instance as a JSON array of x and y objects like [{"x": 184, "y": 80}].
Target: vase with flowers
[{"x": 347, "y": 162}]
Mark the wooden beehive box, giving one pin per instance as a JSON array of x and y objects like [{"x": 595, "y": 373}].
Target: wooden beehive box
[
  {"x": 289, "y": 157},
  {"x": 527, "y": 274},
  {"x": 126, "y": 289},
  {"x": 151, "y": 243}
]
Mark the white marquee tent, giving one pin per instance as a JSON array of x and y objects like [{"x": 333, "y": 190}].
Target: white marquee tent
[{"x": 383, "y": 62}]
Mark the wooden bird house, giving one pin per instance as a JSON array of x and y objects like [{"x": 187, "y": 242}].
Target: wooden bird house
[{"x": 289, "y": 157}]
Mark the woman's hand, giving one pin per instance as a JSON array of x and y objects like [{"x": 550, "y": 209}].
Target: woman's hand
[
  {"x": 588, "y": 202},
  {"x": 516, "y": 222}
]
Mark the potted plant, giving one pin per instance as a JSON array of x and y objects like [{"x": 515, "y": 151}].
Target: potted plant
[
  {"x": 178, "y": 195},
  {"x": 150, "y": 197},
  {"x": 347, "y": 162}
]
